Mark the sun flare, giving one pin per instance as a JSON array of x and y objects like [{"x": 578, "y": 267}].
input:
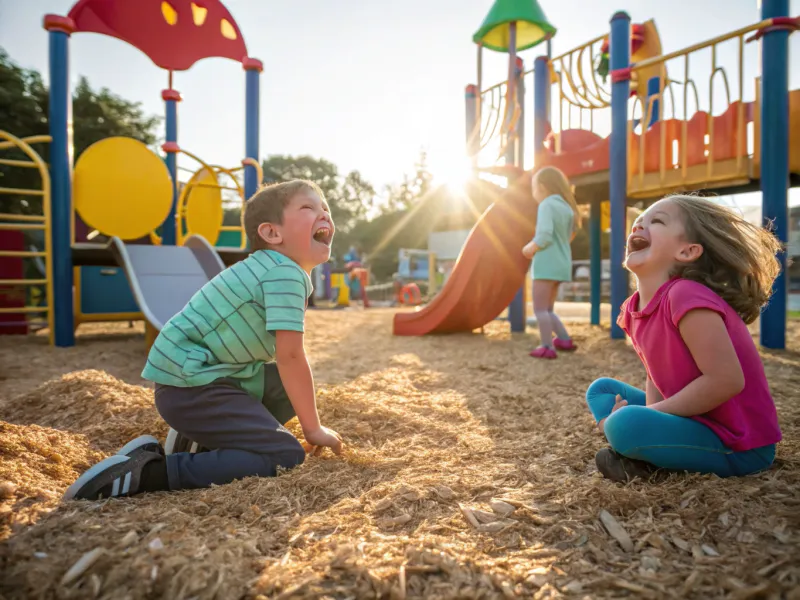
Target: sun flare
[{"x": 454, "y": 172}]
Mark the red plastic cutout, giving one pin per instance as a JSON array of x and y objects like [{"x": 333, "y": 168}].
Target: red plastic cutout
[{"x": 144, "y": 24}]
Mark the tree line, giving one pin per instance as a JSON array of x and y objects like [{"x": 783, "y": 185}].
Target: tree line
[{"x": 378, "y": 224}]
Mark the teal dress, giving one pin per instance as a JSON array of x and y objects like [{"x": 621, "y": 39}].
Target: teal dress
[{"x": 554, "y": 227}]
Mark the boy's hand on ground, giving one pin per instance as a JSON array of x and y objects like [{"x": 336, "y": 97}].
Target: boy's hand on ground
[{"x": 322, "y": 438}]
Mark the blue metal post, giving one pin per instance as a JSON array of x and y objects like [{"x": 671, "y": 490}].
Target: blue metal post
[
  {"x": 653, "y": 89},
  {"x": 520, "y": 71},
  {"x": 60, "y": 116},
  {"x": 618, "y": 161},
  {"x": 595, "y": 260},
  {"x": 775, "y": 161},
  {"x": 253, "y": 68},
  {"x": 541, "y": 92},
  {"x": 472, "y": 131},
  {"x": 516, "y": 310},
  {"x": 171, "y": 98}
]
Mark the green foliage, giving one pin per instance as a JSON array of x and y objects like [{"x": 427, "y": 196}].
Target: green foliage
[
  {"x": 349, "y": 197},
  {"x": 24, "y": 112}
]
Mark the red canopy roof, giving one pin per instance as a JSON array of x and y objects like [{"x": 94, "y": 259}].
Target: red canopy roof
[{"x": 175, "y": 34}]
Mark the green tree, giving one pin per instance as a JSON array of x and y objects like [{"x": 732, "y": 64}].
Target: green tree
[
  {"x": 24, "y": 112},
  {"x": 349, "y": 196}
]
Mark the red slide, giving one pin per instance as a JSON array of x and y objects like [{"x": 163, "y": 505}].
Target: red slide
[{"x": 489, "y": 271}]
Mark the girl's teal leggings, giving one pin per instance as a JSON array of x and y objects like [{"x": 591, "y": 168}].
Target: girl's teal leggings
[{"x": 665, "y": 440}]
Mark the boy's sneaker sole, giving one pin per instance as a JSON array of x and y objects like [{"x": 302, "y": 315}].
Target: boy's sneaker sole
[
  {"x": 143, "y": 443},
  {"x": 112, "y": 477},
  {"x": 177, "y": 442}
]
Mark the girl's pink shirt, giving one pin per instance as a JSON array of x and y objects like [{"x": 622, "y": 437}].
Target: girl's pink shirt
[{"x": 749, "y": 419}]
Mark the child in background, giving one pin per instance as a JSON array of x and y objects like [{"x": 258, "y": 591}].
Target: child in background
[
  {"x": 703, "y": 273},
  {"x": 556, "y": 224},
  {"x": 230, "y": 368}
]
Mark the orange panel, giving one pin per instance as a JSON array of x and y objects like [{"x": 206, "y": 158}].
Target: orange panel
[
  {"x": 671, "y": 129},
  {"x": 794, "y": 131},
  {"x": 696, "y": 131},
  {"x": 726, "y": 134},
  {"x": 589, "y": 159}
]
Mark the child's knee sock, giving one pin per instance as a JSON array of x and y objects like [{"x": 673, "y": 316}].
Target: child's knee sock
[
  {"x": 558, "y": 327},
  {"x": 545, "y": 327}
]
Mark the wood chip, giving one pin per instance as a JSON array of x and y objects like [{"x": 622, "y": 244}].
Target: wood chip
[
  {"x": 682, "y": 544},
  {"x": 129, "y": 539},
  {"x": 394, "y": 521},
  {"x": 502, "y": 508},
  {"x": 82, "y": 565},
  {"x": 467, "y": 512},
  {"x": 383, "y": 504},
  {"x": 483, "y": 516},
  {"x": 7, "y": 490},
  {"x": 633, "y": 587},
  {"x": 709, "y": 550},
  {"x": 616, "y": 530},
  {"x": 402, "y": 579},
  {"x": 495, "y": 527},
  {"x": 444, "y": 492}
]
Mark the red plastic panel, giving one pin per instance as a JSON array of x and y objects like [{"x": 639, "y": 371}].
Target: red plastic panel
[
  {"x": 671, "y": 129},
  {"x": 198, "y": 31},
  {"x": 582, "y": 152}
]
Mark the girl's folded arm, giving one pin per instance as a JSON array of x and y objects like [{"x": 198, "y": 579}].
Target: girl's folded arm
[{"x": 721, "y": 378}]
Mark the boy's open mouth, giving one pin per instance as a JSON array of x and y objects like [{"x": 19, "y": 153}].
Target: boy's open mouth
[
  {"x": 636, "y": 243},
  {"x": 323, "y": 235}
]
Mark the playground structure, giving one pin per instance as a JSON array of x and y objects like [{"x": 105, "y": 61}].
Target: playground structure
[
  {"x": 662, "y": 138},
  {"x": 124, "y": 206},
  {"x": 337, "y": 284}
]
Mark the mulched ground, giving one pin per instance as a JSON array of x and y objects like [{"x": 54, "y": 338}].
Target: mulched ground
[{"x": 468, "y": 473}]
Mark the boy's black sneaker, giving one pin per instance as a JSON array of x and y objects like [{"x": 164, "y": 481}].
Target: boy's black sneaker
[
  {"x": 619, "y": 468},
  {"x": 143, "y": 443},
  {"x": 177, "y": 442},
  {"x": 118, "y": 476}
]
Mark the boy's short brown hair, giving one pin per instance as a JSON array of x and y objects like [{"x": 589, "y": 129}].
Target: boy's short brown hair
[{"x": 268, "y": 204}]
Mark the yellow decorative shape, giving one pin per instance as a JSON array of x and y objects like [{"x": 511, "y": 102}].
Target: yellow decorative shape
[
  {"x": 202, "y": 205},
  {"x": 199, "y": 14},
  {"x": 227, "y": 29},
  {"x": 649, "y": 49},
  {"x": 121, "y": 188},
  {"x": 605, "y": 216},
  {"x": 170, "y": 14}
]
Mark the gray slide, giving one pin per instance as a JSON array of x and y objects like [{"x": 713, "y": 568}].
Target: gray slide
[{"x": 164, "y": 278}]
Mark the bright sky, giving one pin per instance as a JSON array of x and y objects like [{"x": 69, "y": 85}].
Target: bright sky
[{"x": 364, "y": 84}]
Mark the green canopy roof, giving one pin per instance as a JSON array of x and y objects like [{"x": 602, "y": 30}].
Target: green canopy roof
[{"x": 532, "y": 25}]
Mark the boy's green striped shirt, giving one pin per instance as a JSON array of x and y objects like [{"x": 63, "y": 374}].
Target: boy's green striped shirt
[{"x": 228, "y": 327}]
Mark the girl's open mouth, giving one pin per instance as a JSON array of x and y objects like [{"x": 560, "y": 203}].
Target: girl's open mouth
[
  {"x": 636, "y": 243},
  {"x": 323, "y": 235}
]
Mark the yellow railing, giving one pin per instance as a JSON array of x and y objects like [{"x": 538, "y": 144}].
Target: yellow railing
[
  {"x": 674, "y": 170},
  {"x": 496, "y": 112},
  {"x": 19, "y": 222},
  {"x": 578, "y": 86},
  {"x": 195, "y": 181}
]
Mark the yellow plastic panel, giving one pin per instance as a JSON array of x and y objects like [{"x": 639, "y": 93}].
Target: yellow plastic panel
[
  {"x": 203, "y": 212},
  {"x": 121, "y": 188}
]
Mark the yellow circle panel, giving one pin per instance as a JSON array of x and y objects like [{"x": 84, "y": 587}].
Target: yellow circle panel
[
  {"x": 121, "y": 188},
  {"x": 203, "y": 209}
]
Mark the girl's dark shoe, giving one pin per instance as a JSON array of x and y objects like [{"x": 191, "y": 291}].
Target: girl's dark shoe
[{"x": 619, "y": 468}]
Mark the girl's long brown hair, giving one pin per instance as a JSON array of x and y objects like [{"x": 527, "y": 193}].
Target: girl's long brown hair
[
  {"x": 738, "y": 260},
  {"x": 555, "y": 182}
]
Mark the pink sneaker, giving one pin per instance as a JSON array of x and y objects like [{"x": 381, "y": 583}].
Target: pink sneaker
[
  {"x": 564, "y": 345},
  {"x": 544, "y": 352}
]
